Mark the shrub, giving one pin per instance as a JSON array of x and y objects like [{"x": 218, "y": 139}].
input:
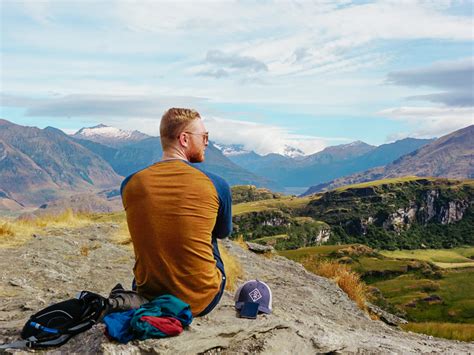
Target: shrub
[{"x": 6, "y": 230}]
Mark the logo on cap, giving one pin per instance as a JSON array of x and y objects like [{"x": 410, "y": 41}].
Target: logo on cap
[{"x": 255, "y": 295}]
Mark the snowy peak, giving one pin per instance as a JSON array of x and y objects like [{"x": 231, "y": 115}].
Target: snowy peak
[
  {"x": 111, "y": 136},
  {"x": 231, "y": 149},
  {"x": 292, "y": 152}
]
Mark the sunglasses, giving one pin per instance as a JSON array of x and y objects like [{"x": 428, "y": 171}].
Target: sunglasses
[{"x": 205, "y": 135}]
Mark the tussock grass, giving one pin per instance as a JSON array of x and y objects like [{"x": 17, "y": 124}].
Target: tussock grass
[
  {"x": 348, "y": 280},
  {"x": 454, "y": 331},
  {"x": 6, "y": 230},
  {"x": 241, "y": 242},
  {"x": 122, "y": 235},
  {"x": 233, "y": 269},
  {"x": 14, "y": 233}
]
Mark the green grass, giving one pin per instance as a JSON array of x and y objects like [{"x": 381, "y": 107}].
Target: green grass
[
  {"x": 323, "y": 250},
  {"x": 455, "y": 288},
  {"x": 469, "y": 182},
  {"x": 270, "y": 238},
  {"x": 382, "y": 182},
  {"x": 455, "y": 331},
  {"x": 446, "y": 258},
  {"x": 366, "y": 264},
  {"x": 277, "y": 203}
]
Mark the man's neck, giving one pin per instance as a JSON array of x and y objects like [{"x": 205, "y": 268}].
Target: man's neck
[{"x": 173, "y": 154}]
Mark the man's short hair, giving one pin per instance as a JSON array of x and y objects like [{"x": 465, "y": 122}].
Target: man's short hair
[{"x": 173, "y": 122}]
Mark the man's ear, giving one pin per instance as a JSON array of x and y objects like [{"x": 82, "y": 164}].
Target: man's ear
[{"x": 183, "y": 139}]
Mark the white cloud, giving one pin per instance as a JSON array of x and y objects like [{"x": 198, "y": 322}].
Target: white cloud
[
  {"x": 428, "y": 122},
  {"x": 263, "y": 138}
]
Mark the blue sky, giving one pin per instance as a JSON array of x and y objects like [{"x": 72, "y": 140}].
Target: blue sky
[{"x": 263, "y": 73}]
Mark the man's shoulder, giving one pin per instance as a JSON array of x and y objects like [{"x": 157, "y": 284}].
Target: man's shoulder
[{"x": 217, "y": 180}]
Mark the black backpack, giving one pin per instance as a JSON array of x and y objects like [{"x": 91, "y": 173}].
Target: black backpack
[{"x": 56, "y": 324}]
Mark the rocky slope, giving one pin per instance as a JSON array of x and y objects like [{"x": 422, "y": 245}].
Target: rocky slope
[
  {"x": 310, "y": 313},
  {"x": 39, "y": 165}
]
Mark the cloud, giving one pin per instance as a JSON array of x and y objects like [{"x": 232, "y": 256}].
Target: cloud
[
  {"x": 214, "y": 73},
  {"x": 128, "y": 106},
  {"x": 455, "y": 76},
  {"x": 428, "y": 122},
  {"x": 144, "y": 112},
  {"x": 455, "y": 98},
  {"x": 263, "y": 138},
  {"x": 220, "y": 64}
]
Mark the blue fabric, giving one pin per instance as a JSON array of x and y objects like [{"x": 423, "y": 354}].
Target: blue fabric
[
  {"x": 223, "y": 227},
  {"x": 118, "y": 326},
  {"x": 125, "y": 326},
  {"x": 163, "y": 306},
  {"x": 220, "y": 266}
]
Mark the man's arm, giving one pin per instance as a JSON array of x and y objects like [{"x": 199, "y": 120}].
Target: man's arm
[{"x": 223, "y": 227}]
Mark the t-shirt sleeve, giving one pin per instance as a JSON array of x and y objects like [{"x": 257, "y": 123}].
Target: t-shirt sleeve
[{"x": 223, "y": 227}]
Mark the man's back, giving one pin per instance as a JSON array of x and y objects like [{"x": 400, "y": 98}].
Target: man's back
[{"x": 173, "y": 211}]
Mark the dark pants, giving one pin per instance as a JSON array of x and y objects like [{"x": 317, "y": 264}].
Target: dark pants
[{"x": 220, "y": 266}]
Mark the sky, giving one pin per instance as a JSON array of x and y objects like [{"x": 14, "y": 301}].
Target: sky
[{"x": 265, "y": 74}]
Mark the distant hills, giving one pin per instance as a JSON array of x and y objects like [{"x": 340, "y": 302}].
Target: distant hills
[
  {"x": 450, "y": 156},
  {"x": 38, "y": 165},
  {"x": 326, "y": 165}
]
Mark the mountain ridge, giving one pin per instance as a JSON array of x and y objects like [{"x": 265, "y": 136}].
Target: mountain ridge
[{"x": 450, "y": 156}]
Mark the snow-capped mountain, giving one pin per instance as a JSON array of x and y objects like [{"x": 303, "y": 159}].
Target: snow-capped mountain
[
  {"x": 292, "y": 152},
  {"x": 111, "y": 136},
  {"x": 231, "y": 149}
]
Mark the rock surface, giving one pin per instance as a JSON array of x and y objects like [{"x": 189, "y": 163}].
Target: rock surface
[{"x": 310, "y": 313}]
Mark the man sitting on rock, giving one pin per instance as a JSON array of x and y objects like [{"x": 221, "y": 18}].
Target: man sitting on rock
[{"x": 175, "y": 213}]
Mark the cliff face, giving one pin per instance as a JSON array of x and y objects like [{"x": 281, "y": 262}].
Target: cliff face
[
  {"x": 396, "y": 209},
  {"x": 390, "y": 213}
]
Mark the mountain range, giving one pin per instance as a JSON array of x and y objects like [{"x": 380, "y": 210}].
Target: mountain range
[
  {"x": 40, "y": 165},
  {"x": 449, "y": 156},
  {"x": 326, "y": 165}
]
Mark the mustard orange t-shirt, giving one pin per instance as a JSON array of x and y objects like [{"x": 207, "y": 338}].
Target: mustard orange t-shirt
[{"x": 174, "y": 210}]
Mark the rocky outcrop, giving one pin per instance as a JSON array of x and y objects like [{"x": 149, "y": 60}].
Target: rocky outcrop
[{"x": 310, "y": 313}]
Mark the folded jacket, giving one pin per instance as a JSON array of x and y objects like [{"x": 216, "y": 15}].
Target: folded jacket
[
  {"x": 118, "y": 326},
  {"x": 163, "y": 306}
]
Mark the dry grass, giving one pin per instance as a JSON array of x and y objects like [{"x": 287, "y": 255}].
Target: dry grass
[
  {"x": 66, "y": 219},
  {"x": 6, "y": 230},
  {"x": 14, "y": 233},
  {"x": 455, "y": 331},
  {"x": 349, "y": 281},
  {"x": 241, "y": 242},
  {"x": 122, "y": 235},
  {"x": 233, "y": 269},
  {"x": 84, "y": 250}
]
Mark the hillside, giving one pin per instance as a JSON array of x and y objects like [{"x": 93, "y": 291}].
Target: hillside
[
  {"x": 450, "y": 156},
  {"x": 310, "y": 313},
  {"x": 392, "y": 213},
  {"x": 39, "y": 165}
]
